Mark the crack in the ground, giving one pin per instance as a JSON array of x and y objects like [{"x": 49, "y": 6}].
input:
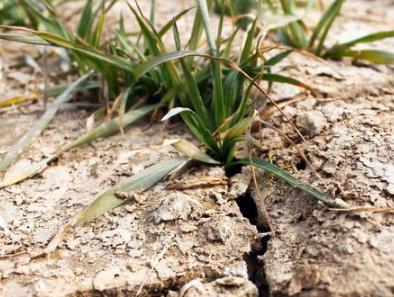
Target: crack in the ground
[{"x": 255, "y": 266}]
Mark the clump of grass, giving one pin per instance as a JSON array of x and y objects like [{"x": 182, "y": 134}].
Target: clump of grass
[
  {"x": 210, "y": 91},
  {"x": 11, "y": 13},
  {"x": 224, "y": 123},
  {"x": 296, "y": 34},
  {"x": 131, "y": 77}
]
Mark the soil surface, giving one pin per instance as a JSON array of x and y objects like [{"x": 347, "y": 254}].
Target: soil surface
[{"x": 179, "y": 240}]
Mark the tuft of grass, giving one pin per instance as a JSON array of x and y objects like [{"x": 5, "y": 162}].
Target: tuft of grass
[
  {"x": 296, "y": 34},
  {"x": 11, "y": 13},
  {"x": 211, "y": 91},
  {"x": 117, "y": 62},
  {"x": 222, "y": 135}
]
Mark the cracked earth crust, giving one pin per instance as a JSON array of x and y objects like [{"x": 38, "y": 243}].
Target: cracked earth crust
[{"x": 197, "y": 241}]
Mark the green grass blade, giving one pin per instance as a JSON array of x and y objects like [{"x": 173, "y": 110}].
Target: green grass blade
[
  {"x": 89, "y": 51},
  {"x": 38, "y": 17},
  {"x": 325, "y": 24},
  {"x": 374, "y": 56},
  {"x": 58, "y": 89},
  {"x": 274, "y": 77},
  {"x": 144, "y": 68},
  {"x": 138, "y": 182},
  {"x": 23, "y": 39},
  {"x": 40, "y": 125},
  {"x": 278, "y": 58},
  {"x": 206, "y": 21},
  {"x": 229, "y": 44},
  {"x": 218, "y": 101},
  {"x": 105, "y": 129},
  {"x": 152, "y": 41},
  {"x": 220, "y": 30},
  {"x": 98, "y": 32},
  {"x": 107, "y": 201},
  {"x": 152, "y": 12},
  {"x": 220, "y": 105},
  {"x": 110, "y": 127},
  {"x": 196, "y": 33},
  {"x": 330, "y": 13},
  {"x": 56, "y": 40},
  {"x": 86, "y": 21},
  {"x": 278, "y": 172},
  {"x": 297, "y": 31},
  {"x": 237, "y": 130},
  {"x": 248, "y": 45},
  {"x": 244, "y": 106},
  {"x": 168, "y": 73},
  {"x": 366, "y": 39},
  {"x": 168, "y": 25},
  {"x": 191, "y": 84}
]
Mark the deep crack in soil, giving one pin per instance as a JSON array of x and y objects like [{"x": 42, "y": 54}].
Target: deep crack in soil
[{"x": 248, "y": 208}]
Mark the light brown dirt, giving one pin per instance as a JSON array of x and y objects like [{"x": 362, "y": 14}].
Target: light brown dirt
[{"x": 196, "y": 242}]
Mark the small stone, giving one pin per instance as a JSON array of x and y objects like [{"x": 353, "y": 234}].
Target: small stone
[
  {"x": 311, "y": 122},
  {"x": 105, "y": 278},
  {"x": 164, "y": 272},
  {"x": 14, "y": 289},
  {"x": 18, "y": 200},
  {"x": 390, "y": 189}
]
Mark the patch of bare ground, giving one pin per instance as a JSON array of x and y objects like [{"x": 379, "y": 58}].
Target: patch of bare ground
[
  {"x": 169, "y": 238},
  {"x": 319, "y": 252}
]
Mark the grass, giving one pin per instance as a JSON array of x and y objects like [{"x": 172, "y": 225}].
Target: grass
[
  {"x": 209, "y": 88},
  {"x": 296, "y": 34},
  {"x": 11, "y": 13},
  {"x": 127, "y": 80}
]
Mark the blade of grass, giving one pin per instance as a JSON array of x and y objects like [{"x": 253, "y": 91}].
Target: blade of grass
[
  {"x": 218, "y": 101},
  {"x": 325, "y": 24},
  {"x": 86, "y": 21},
  {"x": 56, "y": 40},
  {"x": 275, "y": 77},
  {"x": 297, "y": 31},
  {"x": 138, "y": 182},
  {"x": 374, "y": 56},
  {"x": 98, "y": 31},
  {"x": 325, "y": 20},
  {"x": 365, "y": 39},
  {"x": 23, "y": 39},
  {"x": 277, "y": 58},
  {"x": 191, "y": 84},
  {"x": 278, "y": 172},
  {"x": 105, "y": 129},
  {"x": 144, "y": 68},
  {"x": 39, "y": 126},
  {"x": 248, "y": 45},
  {"x": 169, "y": 24},
  {"x": 234, "y": 135},
  {"x": 107, "y": 201}
]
